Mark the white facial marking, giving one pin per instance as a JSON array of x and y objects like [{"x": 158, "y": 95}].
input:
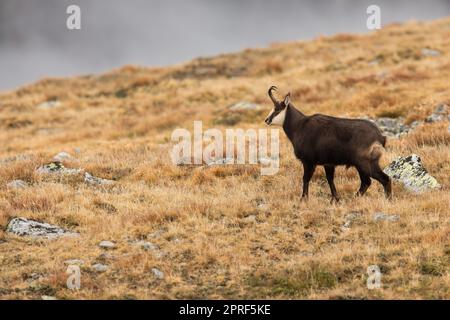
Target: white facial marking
[{"x": 279, "y": 118}]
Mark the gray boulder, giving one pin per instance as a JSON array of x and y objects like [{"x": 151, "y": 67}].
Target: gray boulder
[
  {"x": 56, "y": 167},
  {"x": 410, "y": 171},
  {"x": 24, "y": 227},
  {"x": 439, "y": 114}
]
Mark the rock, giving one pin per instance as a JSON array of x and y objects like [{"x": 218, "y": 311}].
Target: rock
[
  {"x": 250, "y": 218},
  {"x": 411, "y": 173},
  {"x": 430, "y": 52},
  {"x": 156, "y": 234},
  {"x": 146, "y": 245},
  {"x": 306, "y": 253},
  {"x": 244, "y": 105},
  {"x": 17, "y": 184},
  {"x": 158, "y": 273},
  {"x": 439, "y": 114},
  {"x": 95, "y": 181},
  {"x": 262, "y": 207},
  {"x": 49, "y": 104},
  {"x": 74, "y": 262},
  {"x": 20, "y": 157},
  {"x": 380, "y": 216},
  {"x": 48, "y": 298},
  {"x": 105, "y": 244},
  {"x": 56, "y": 167},
  {"x": 62, "y": 156},
  {"x": 393, "y": 127},
  {"x": 98, "y": 267},
  {"x": 24, "y": 227},
  {"x": 220, "y": 161},
  {"x": 349, "y": 218}
]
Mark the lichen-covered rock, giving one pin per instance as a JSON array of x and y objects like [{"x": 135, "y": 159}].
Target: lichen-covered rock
[
  {"x": 24, "y": 227},
  {"x": 56, "y": 167},
  {"x": 410, "y": 171}
]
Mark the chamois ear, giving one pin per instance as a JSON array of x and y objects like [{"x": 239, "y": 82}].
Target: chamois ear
[{"x": 287, "y": 99}]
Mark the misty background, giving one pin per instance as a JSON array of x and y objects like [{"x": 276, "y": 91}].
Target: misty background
[{"x": 35, "y": 43}]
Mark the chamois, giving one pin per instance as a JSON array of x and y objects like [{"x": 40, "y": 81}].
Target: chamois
[{"x": 329, "y": 141}]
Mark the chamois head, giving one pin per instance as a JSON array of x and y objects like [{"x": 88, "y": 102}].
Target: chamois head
[{"x": 278, "y": 113}]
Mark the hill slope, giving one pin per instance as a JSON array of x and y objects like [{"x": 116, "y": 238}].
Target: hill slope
[{"x": 194, "y": 221}]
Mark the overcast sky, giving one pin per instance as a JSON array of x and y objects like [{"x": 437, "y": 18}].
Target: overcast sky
[{"x": 35, "y": 43}]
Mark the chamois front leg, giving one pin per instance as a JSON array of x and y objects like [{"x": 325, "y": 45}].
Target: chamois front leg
[
  {"x": 308, "y": 171},
  {"x": 329, "y": 171}
]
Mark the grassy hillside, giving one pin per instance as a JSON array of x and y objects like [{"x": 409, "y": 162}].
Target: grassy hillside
[{"x": 118, "y": 126}]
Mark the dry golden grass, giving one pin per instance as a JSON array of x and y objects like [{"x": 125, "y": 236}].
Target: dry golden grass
[{"x": 122, "y": 122}]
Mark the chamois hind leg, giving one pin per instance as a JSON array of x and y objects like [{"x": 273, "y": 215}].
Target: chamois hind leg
[
  {"x": 381, "y": 177},
  {"x": 308, "y": 171},
  {"x": 364, "y": 176},
  {"x": 329, "y": 171}
]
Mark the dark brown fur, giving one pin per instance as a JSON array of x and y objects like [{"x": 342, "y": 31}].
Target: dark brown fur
[{"x": 330, "y": 141}]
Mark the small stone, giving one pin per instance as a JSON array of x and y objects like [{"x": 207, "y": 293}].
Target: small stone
[
  {"x": 430, "y": 52},
  {"x": 250, "y": 218},
  {"x": 380, "y": 216},
  {"x": 74, "y": 262},
  {"x": 146, "y": 245},
  {"x": 48, "y": 298},
  {"x": 98, "y": 267},
  {"x": 90, "y": 179},
  {"x": 62, "y": 156},
  {"x": 17, "y": 184},
  {"x": 105, "y": 244},
  {"x": 349, "y": 218},
  {"x": 221, "y": 161},
  {"x": 244, "y": 105},
  {"x": 158, "y": 273},
  {"x": 156, "y": 234},
  {"x": 439, "y": 113},
  {"x": 306, "y": 253},
  {"x": 262, "y": 207},
  {"x": 49, "y": 104}
]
